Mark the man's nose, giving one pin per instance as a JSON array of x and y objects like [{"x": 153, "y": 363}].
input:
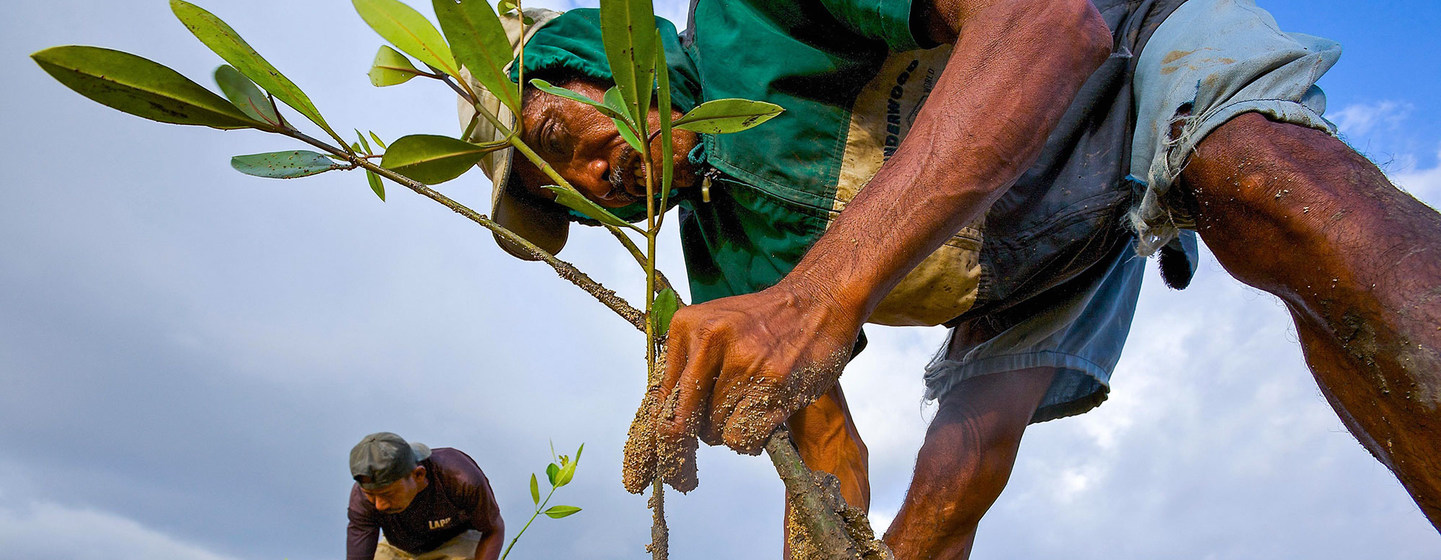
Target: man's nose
[
  {"x": 593, "y": 175},
  {"x": 381, "y": 503}
]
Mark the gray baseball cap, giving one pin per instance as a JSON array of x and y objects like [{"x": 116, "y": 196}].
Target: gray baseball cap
[{"x": 384, "y": 458}]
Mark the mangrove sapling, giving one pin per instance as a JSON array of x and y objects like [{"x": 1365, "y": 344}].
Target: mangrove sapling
[
  {"x": 558, "y": 473},
  {"x": 472, "y": 52}
]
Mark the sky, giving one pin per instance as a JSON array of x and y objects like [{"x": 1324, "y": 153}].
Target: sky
[{"x": 187, "y": 354}]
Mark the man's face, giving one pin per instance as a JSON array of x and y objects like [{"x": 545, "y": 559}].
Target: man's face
[
  {"x": 585, "y": 148},
  {"x": 396, "y": 496}
]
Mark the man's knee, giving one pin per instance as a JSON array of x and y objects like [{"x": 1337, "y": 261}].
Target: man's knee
[
  {"x": 1253, "y": 159},
  {"x": 1272, "y": 196}
]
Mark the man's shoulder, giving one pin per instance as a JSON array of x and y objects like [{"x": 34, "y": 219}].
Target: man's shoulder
[
  {"x": 455, "y": 468},
  {"x": 449, "y": 458}
]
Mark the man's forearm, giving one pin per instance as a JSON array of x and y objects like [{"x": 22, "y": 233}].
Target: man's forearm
[
  {"x": 490, "y": 543},
  {"x": 1012, "y": 73}
]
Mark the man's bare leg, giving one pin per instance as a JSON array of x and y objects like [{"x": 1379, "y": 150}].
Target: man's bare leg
[
  {"x": 965, "y": 462},
  {"x": 1295, "y": 212},
  {"x": 828, "y": 442}
]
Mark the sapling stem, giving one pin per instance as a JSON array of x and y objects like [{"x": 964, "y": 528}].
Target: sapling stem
[{"x": 534, "y": 515}]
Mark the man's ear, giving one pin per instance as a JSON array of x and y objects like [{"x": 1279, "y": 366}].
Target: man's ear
[{"x": 418, "y": 474}]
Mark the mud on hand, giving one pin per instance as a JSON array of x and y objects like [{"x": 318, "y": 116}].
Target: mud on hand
[{"x": 643, "y": 459}]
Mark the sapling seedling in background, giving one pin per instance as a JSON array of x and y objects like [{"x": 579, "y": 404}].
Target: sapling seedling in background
[
  {"x": 559, "y": 473},
  {"x": 470, "y": 37}
]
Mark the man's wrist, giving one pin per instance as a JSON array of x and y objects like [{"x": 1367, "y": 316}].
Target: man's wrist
[{"x": 834, "y": 299}]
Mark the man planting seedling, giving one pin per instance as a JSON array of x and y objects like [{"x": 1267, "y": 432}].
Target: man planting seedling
[
  {"x": 426, "y": 504},
  {"x": 996, "y": 166}
]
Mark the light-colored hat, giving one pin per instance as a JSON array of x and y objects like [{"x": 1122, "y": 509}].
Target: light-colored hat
[{"x": 539, "y": 222}]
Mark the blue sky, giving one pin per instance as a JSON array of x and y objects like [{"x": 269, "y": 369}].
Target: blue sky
[{"x": 187, "y": 353}]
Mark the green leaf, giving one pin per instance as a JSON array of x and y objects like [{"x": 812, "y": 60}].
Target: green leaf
[
  {"x": 534, "y": 489},
  {"x": 364, "y": 143},
  {"x": 246, "y": 95},
  {"x": 663, "y": 308},
  {"x": 557, "y": 512},
  {"x": 139, "y": 86},
  {"x": 612, "y": 100},
  {"x": 506, "y": 6},
  {"x": 627, "y": 134},
  {"x": 375, "y": 184},
  {"x": 551, "y": 471},
  {"x": 377, "y": 140},
  {"x": 284, "y": 165},
  {"x": 217, "y": 35},
  {"x": 480, "y": 44},
  {"x": 391, "y": 68},
  {"x": 664, "y": 108},
  {"x": 724, "y": 116},
  {"x": 573, "y": 95},
  {"x": 615, "y": 104},
  {"x": 628, "y": 31},
  {"x": 431, "y": 159},
  {"x": 575, "y": 201},
  {"x": 409, "y": 31},
  {"x": 567, "y": 472}
]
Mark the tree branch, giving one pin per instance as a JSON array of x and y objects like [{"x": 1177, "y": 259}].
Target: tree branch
[
  {"x": 829, "y": 528},
  {"x": 566, "y": 270}
]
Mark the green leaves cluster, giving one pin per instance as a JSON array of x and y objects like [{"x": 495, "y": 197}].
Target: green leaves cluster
[
  {"x": 558, "y": 473},
  {"x": 470, "y": 37},
  {"x": 140, "y": 87},
  {"x": 251, "y": 87}
]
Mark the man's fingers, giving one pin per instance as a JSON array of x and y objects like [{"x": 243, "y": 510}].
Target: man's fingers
[
  {"x": 638, "y": 464},
  {"x": 724, "y": 399},
  {"x": 757, "y": 415},
  {"x": 683, "y": 390}
]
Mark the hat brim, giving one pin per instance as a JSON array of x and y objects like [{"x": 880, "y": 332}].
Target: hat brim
[
  {"x": 539, "y": 222},
  {"x": 420, "y": 451}
]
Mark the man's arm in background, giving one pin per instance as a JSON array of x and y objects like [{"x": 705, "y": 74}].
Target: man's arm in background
[
  {"x": 362, "y": 533},
  {"x": 486, "y": 519}
]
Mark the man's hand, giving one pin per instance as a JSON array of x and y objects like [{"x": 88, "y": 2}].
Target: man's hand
[{"x": 736, "y": 368}]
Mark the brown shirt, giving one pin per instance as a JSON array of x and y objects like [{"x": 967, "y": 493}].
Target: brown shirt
[{"x": 457, "y": 499}]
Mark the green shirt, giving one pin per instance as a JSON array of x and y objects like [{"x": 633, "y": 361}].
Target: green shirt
[{"x": 851, "y": 76}]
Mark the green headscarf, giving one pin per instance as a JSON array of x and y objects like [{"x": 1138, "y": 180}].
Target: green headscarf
[{"x": 572, "y": 42}]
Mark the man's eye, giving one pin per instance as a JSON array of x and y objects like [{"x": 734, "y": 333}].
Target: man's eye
[{"x": 552, "y": 142}]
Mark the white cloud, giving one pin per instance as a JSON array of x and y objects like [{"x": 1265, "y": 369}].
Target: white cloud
[
  {"x": 1384, "y": 132},
  {"x": 49, "y": 531},
  {"x": 1365, "y": 118},
  {"x": 1425, "y": 184}
]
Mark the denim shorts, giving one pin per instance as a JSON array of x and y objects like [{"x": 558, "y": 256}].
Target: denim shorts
[{"x": 1209, "y": 61}]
